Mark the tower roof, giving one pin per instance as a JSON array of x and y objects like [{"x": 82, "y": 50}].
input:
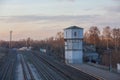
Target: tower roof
[{"x": 73, "y": 27}]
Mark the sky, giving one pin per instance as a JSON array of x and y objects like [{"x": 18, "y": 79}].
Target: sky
[{"x": 41, "y": 19}]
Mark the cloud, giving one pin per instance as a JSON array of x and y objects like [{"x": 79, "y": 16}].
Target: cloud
[
  {"x": 116, "y": 0},
  {"x": 111, "y": 20},
  {"x": 70, "y": 0},
  {"x": 35, "y": 25},
  {"x": 67, "y": 0},
  {"x": 115, "y": 9},
  {"x": 33, "y": 18}
]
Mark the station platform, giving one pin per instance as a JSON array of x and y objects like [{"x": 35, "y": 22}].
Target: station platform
[{"x": 96, "y": 72}]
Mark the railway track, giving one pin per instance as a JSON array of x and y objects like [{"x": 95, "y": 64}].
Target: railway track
[
  {"x": 7, "y": 69},
  {"x": 61, "y": 75},
  {"x": 45, "y": 71},
  {"x": 50, "y": 69},
  {"x": 47, "y": 68},
  {"x": 71, "y": 73},
  {"x": 27, "y": 73}
]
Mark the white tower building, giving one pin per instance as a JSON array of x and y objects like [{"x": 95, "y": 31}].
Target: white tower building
[{"x": 73, "y": 37}]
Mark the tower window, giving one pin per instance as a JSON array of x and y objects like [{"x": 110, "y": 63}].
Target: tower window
[{"x": 75, "y": 33}]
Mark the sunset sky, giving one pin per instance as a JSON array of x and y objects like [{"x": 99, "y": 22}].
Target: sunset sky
[{"x": 40, "y": 19}]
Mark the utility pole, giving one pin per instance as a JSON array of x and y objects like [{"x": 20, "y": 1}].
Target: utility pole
[
  {"x": 115, "y": 44},
  {"x": 26, "y": 42},
  {"x": 107, "y": 44},
  {"x": 10, "y": 43},
  {"x": 110, "y": 65},
  {"x": 110, "y": 55}
]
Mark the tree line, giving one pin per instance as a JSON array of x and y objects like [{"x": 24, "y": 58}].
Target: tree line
[
  {"x": 106, "y": 42},
  {"x": 106, "y": 39},
  {"x": 53, "y": 45}
]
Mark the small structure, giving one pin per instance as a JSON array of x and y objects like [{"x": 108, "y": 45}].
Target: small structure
[
  {"x": 118, "y": 67},
  {"x": 73, "y": 37},
  {"x": 90, "y": 54},
  {"x": 91, "y": 57},
  {"x": 25, "y": 48},
  {"x": 42, "y": 50}
]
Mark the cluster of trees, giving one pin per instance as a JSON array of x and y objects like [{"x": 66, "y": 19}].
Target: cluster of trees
[
  {"x": 105, "y": 39},
  {"x": 15, "y": 44},
  {"x": 53, "y": 45},
  {"x": 106, "y": 42}
]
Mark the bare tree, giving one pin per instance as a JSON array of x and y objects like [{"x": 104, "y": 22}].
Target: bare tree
[
  {"x": 59, "y": 35},
  {"x": 116, "y": 37},
  {"x": 107, "y": 35},
  {"x": 93, "y": 35}
]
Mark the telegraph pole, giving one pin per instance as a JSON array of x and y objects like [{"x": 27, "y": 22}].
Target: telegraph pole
[
  {"x": 110, "y": 66},
  {"x": 10, "y": 43},
  {"x": 110, "y": 55}
]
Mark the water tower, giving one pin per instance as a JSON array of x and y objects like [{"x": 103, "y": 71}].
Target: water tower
[{"x": 73, "y": 37}]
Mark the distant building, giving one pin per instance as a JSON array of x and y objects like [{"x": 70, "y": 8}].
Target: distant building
[
  {"x": 118, "y": 67},
  {"x": 91, "y": 57},
  {"x": 25, "y": 48},
  {"x": 42, "y": 50},
  {"x": 90, "y": 54},
  {"x": 73, "y": 37}
]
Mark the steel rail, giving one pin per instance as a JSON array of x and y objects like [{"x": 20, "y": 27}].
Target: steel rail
[
  {"x": 41, "y": 68},
  {"x": 66, "y": 70}
]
